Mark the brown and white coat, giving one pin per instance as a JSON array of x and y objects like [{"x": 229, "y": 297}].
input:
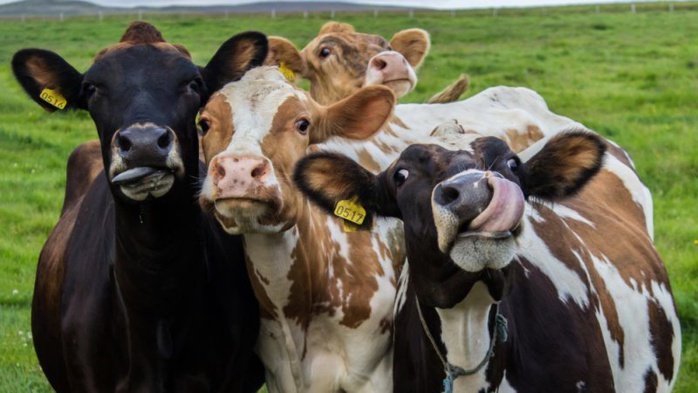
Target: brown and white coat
[
  {"x": 586, "y": 296},
  {"x": 326, "y": 295}
]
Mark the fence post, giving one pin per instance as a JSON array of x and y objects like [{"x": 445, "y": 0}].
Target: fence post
[
  {"x": 632, "y": 8},
  {"x": 273, "y": 13},
  {"x": 453, "y": 13},
  {"x": 332, "y": 14},
  {"x": 411, "y": 14},
  {"x": 494, "y": 12},
  {"x": 23, "y": 20},
  {"x": 597, "y": 9},
  {"x": 375, "y": 13},
  {"x": 140, "y": 14},
  {"x": 61, "y": 17},
  {"x": 305, "y": 14},
  {"x": 671, "y": 7}
]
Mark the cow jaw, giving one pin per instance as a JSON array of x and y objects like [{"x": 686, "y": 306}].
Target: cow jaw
[{"x": 486, "y": 241}]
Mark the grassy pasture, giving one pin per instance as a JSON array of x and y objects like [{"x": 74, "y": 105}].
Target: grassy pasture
[{"x": 631, "y": 77}]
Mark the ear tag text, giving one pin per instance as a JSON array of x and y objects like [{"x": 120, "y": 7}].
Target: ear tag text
[
  {"x": 54, "y": 98},
  {"x": 288, "y": 74},
  {"x": 350, "y": 210}
]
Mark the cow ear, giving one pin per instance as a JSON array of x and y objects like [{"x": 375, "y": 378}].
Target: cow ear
[
  {"x": 414, "y": 44},
  {"x": 235, "y": 57},
  {"x": 336, "y": 27},
  {"x": 283, "y": 54},
  {"x": 564, "y": 164},
  {"x": 358, "y": 116},
  {"x": 48, "y": 79},
  {"x": 328, "y": 178}
]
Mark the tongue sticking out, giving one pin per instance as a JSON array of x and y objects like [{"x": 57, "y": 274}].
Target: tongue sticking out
[
  {"x": 504, "y": 211},
  {"x": 133, "y": 175}
]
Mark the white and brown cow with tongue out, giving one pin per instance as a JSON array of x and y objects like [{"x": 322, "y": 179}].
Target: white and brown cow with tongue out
[
  {"x": 326, "y": 292},
  {"x": 553, "y": 244}
]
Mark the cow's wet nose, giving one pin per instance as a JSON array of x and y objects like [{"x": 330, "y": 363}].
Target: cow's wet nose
[
  {"x": 464, "y": 196},
  {"x": 141, "y": 145},
  {"x": 391, "y": 64},
  {"x": 237, "y": 175}
]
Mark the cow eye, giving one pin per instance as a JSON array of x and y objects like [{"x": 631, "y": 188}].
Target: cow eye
[
  {"x": 302, "y": 126},
  {"x": 88, "y": 89},
  {"x": 195, "y": 86},
  {"x": 324, "y": 52},
  {"x": 204, "y": 125},
  {"x": 513, "y": 163},
  {"x": 400, "y": 176}
]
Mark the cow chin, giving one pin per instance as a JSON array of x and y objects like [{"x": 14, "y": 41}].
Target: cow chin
[
  {"x": 476, "y": 253},
  {"x": 239, "y": 216},
  {"x": 400, "y": 87}
]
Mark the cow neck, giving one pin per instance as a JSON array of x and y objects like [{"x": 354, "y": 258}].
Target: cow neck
[
  {"x": 287, "y": 263},
  {"x": 157, "y": 244},
  {"x": 280, "y": 261},
  {"x": 467, "y": 336}
]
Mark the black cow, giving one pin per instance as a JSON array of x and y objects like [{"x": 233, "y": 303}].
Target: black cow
[
  {"x": 136, "y": 291},
  {"x": 506, "y": 291}
]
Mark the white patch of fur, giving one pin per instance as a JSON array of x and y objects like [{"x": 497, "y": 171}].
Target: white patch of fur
[
  {"x": 465, "y": 333},
  {"x": 639, "y": 192},
  {"x": 568, "y": 284}
]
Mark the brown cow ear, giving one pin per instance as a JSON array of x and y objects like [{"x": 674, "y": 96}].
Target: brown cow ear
[
  {"x": 336, "y": 27},
  {"x": 563, "y": 165},
  {"x": 283, "y": 51},
  {"x": 329, "y": 178},
  {"x": 48, "y": 79},
  {"x": 358, "y": 116},
  {"x": 235, "y": 57},
  {"x": 414, "y": 44}
]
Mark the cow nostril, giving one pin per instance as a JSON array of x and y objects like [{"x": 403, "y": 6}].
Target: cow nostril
[
  {"x": 259, "y": 171},
  {"x": 220, "y": 171},
  {"x": 449, "y": 195},
  {"x": 123, "y": 143},
  {"x": 165, "y": 140},
  {"x": 379, "y": 64}
]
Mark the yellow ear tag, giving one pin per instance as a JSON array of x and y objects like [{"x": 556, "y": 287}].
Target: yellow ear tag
[
  {"x": 288, "y": 74},
  {"x": 54, "y": 98},
  {"x": 350, "y": 210}
]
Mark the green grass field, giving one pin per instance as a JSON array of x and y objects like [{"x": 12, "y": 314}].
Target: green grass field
[{"x": 631, "y": 77}]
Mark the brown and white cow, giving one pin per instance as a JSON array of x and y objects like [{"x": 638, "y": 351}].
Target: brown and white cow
[
  {"x": 339, "y": 61},
  {"x": 535, "y": 276},
  {"x": 130, "y": 283},
  {"x": 326, "y": 294}
]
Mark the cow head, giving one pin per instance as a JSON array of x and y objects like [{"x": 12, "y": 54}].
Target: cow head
[
  {"x": 256, "y": 129},
  {"x": 462, "y": 209},
  {"x": 339, "y": 60},
  {"x": 143, "y": 95}
]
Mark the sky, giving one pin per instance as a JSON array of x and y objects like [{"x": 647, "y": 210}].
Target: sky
[{"x": 439, "y": 4}]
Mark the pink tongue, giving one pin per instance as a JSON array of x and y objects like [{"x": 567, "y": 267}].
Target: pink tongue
[{"x": 505, "y": 209}]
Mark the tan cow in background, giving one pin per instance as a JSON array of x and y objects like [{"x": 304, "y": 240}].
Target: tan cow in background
[{"x": 339, "y": 61}]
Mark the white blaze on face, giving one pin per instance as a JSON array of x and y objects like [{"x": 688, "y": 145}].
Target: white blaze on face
[{"x": 254, "y": 101}]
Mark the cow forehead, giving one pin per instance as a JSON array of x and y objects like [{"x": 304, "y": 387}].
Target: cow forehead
[
  {"x": 161, "y": 58},
  {"x": 163, "y": 47},
  {"x": 349, "y": 41},
  {"x": 254, "y": 102}
]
